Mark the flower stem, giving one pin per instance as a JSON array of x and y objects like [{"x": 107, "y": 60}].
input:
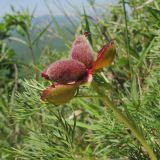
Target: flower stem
[{"x": 126, "y": 121}]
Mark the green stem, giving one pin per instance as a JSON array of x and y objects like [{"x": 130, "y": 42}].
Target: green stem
[
  {"x": 127, "y": 122},
  {"x": 30, "y": 46},
  {"x": 126, "y": 33}
]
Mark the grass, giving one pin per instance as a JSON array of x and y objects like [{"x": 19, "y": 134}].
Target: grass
[{"x": 84, "y": 128}]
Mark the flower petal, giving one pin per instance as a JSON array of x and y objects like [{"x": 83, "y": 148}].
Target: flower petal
[
  {"x": 82, "y": 51},
  {"x": 105, "y": 56},
  {"x": 59, "y": 94}
]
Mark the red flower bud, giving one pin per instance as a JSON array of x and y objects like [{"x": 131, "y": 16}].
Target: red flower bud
[
  {"x": 82, "y": 51},
  {"x": 66, "y": 71},
  {"x": 70, "y": 74}
]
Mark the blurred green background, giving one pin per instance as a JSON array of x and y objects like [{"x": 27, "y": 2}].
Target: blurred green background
[{"x": 35, "y": 33}]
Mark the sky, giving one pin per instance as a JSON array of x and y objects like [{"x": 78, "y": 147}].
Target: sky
[{"x": 41, "y": 9}]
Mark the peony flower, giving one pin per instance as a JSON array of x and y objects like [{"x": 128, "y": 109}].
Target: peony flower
[{"x": 67, "y": 75}]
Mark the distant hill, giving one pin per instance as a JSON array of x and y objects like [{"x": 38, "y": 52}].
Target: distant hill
[
  {"x": 50, "y": 38},
  {"x": 61, "y": 19}
]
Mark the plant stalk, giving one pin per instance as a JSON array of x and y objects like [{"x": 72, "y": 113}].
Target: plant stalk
[
  {"x": 126, "y": 121},
  {"x": 30, "y": 46}
]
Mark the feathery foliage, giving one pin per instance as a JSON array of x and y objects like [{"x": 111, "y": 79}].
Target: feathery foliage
[{"x": 84, "y": 128}]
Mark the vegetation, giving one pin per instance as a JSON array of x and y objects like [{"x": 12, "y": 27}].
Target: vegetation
[{"x": 87, "y": 127}]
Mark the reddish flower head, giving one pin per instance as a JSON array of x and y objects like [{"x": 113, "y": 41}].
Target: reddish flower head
[
  {"x": 82, "y": 51},
  {"x": 70, "y": 74},
  {"x": 65, "y": 71}
]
